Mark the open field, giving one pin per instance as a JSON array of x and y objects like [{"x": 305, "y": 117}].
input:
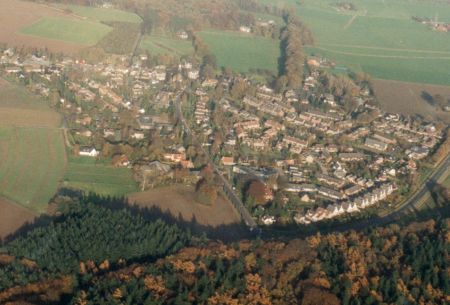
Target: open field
[
  {"x": 12, "y": 217},
  {"x": 243, "y": 52},
  {"x": 158, "y": 45},
  {"x": 102, "y": 14},
  {"x": 180, "y": 200},
  {"x": 89, "y": 175},
  {"x": 38, "y": 25},
  {"x": 32, "y": 152},
  {"x": 16, "y": 14},
  {"x": 69, "y": 30},
  {"x": 32, "y": 165},
  {"x": 380, "y": 38},
  {"x": 407, "y": 98}
]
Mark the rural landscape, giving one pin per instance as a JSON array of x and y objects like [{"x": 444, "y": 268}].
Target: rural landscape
[{"x": 224, "y": 152}]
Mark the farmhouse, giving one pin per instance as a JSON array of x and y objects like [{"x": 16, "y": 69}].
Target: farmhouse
[{"x": 89, "y": 152}]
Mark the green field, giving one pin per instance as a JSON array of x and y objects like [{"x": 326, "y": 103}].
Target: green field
[
  {"x": 32, "y": 165},
  {"x": 90, "y": 175},
  {"x": 380, "y": 37},
  {"x": 68, "y": 30},
  {"x": 103, "y": 14},
  {"x": 159, "y": 45},
  {"x": 243, "y": 52}
]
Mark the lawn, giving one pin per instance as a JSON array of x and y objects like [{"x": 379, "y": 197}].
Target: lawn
[
  {"x": 380, "y": 37},
  {"x": 103, "y": 14},
  {"x": 243, "y": 52},
  {"x": 159, "y": 45},
  {"x": 75, "y": 31},
  {"x": 90, "y": 175},
  {"x": 32, "y": 165}
]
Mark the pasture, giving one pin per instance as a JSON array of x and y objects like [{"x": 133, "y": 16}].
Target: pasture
[
  {"x": 165, "y": 45},
  {"x": 91, "y": 175},
  {"x": 32, "y": 152},
  {"x": 75, "y": 31},
  {"x": 32, "y": 164},
  {"x": 380, "y": 37},
  {"x": 243, "y": 52}
]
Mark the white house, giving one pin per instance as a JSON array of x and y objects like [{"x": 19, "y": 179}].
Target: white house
[{"x": 89, "y": 152}]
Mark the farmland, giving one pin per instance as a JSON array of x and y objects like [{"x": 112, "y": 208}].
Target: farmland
[
  {"x": 12, "y": 217},
  {"x": 102, "y": 14},
  {"x": 179, "y": 200},
  {"x": 159, "y": 45},
  {"x": 32, "y": 151},
  {"x": 243, "y": 52},
  {"x": 380, "y": 38},
  {"x": 408, "y": 98},
  {"x": 90, "y": 175},
  {"x": 60, "y": 30},
  {"x": 69, "y": 30}
]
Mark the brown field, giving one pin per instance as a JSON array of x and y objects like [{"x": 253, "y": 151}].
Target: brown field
[
  {"x": 12, "y": 217},
  {"x": 406, "y": 98},
  {"x": 16, "y": 14},
  {"x": 28, "y": 118},
  {"x": 21, "y": 109},
  {"x": 180, "y": 200}
]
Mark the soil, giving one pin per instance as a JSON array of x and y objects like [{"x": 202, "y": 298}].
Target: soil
[
  {"x": 12, "y": 217},
  {"x": 180, "y": 200},
  {"x": 410, "y": 98}
]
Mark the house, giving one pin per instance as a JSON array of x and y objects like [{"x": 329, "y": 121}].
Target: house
[
  {"x": 120, "y": 161},
  {"x": 228, "y": 161},
  {"x": 245, "y": 29},
  {"x": 268, "y": 220},
  {"x": 330, "y": 193},
  {"x": 376, "y": 144},
  {"x": 193, "y": 74},
  {"x": 88, "y": 152},
  {"x": 183, "y": 35},
  {"x": 176, "y": 157}
]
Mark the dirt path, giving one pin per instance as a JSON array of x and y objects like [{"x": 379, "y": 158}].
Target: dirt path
[{"x": 350, "y": 22}]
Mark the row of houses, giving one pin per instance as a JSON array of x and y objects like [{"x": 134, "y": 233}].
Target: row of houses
[{"x": 350, "y": 206}]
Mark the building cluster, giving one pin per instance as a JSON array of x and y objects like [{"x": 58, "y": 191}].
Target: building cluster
[{"x": 323, "y": 161}]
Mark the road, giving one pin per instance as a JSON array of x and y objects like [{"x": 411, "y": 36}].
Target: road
[
  {"x": 411, "y": 204},
  {"x": 417, "y": 198},
  {"x": 227, "y": 187}
]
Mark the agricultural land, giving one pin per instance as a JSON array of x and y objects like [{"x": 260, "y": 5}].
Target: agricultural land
[
  {"x": 179, "y": 200},
  {"x": 243, "y": 52},
  {"x": 166, "y": 45},
  {"x": 67, "y": 29},
  {"x": 31, "y": 149},
  {"x": 380, "y": 38},
  {"x": 90, "y": 175}
]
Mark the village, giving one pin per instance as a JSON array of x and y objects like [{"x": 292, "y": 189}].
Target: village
[{"x": 299, "y": 156}]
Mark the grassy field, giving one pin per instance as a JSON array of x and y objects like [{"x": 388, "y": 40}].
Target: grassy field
[
  {"x": 102, "y": 14},
  {"x": 380, "y": 37},
  {"x": 243, "y": 52},
  {"x": 90, "y": 175},
  {"x": 158, "y": 45},
  {"x": 33, "y": 161},
  {"x": 32, "y": 152},
  {"x": 69, "y": 30}
]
